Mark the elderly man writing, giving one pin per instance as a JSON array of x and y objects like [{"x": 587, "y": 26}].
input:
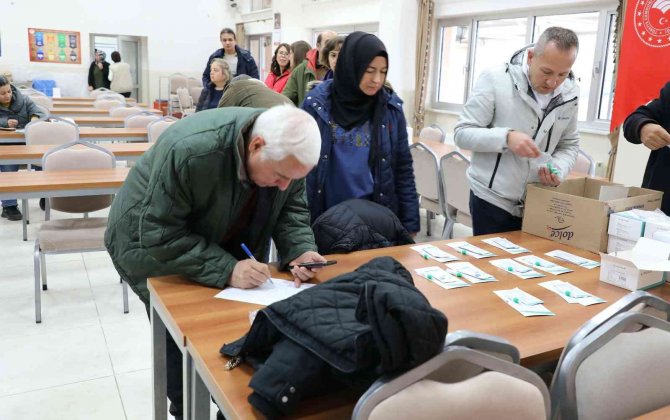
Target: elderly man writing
[{"x": 217, "y": 179}]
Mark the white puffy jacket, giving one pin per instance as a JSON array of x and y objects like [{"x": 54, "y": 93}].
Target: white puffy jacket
[{"x": 501, "y": 101}]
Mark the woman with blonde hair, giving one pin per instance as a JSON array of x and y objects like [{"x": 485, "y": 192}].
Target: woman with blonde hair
[{"x": 219, "y": 75}]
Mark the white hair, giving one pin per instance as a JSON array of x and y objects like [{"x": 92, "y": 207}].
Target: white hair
[{"x": 288, "y": 131}]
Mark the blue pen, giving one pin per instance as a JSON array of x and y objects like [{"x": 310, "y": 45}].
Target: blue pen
[{"x": 250, "y": 255}]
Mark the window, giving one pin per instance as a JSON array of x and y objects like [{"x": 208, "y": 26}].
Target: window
[
  {"x": 260, "y": 5},
  {"x": 466, "y": 47}
]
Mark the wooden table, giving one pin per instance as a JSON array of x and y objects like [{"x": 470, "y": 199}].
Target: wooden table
[
  {"x": 99, "y": 121},
  {"x": 87, "y": 112},
  {"x": 23, "y": 155},
  {"x": 202, "y": 323},
  {"x": 92, "y": 134},
  {"x": 38, "y": 184},
  {"x": 87, "y": 104},
  {"x": 83, "y": 99}
]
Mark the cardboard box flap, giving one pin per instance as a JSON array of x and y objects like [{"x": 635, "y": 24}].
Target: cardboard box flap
[{"x": 648, "y": 254}]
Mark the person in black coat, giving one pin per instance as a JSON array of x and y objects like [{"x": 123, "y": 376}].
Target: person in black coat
[
  {"x": 239, "y": 60},
  {"x": 98, "y": 72},
  {"x": 649, "y": 125}
]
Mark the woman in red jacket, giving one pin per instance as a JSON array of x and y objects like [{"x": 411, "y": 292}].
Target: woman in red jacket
[{"x": 280, "y": 69}]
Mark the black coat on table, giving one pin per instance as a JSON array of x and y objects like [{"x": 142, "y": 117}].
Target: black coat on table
[
  {"x": 358, "y": 224},
  {"x": 657, "y": 174},
  {"x": 346, "y": 332}
]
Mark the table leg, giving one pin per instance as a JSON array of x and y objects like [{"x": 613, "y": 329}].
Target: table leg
[
  {"x": 24, "y": 206},
  {"x": 158, "y": 373},
  {"x": 195, "y": 390}
]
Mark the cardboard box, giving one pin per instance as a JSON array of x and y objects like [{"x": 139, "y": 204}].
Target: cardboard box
[
  {"x": 640, "y": 268},
  {"x": 616, "y": 244},
  {"x": 576, "y": 213}
]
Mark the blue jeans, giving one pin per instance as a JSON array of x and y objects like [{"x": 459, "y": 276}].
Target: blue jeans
[{"x": 9, "y": 168}]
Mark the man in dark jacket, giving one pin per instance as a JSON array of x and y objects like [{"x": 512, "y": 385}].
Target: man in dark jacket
[
  {"x": 649, "y": 125},
  {"x": 216, "y": 179},
  {"x": 239, "y": 60},
  {"x": 371, "y": 322}
]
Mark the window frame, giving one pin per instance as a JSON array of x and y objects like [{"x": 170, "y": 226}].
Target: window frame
[{"x": 603, "y": 36}]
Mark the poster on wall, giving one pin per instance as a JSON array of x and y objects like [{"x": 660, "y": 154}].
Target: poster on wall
[{"x": 53, "y": 46}]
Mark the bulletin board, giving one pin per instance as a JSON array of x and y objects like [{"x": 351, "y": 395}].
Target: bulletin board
[{"x": 53, "y": 46}]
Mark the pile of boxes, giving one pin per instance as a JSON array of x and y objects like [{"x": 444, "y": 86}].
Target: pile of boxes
[{"x": 626, "y": 227}]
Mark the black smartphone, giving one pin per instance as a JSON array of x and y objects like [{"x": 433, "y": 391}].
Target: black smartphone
[{"x": 315, "y": 264}]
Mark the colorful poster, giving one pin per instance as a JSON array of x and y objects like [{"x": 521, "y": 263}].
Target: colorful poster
[{"x": 53, "y": 46}]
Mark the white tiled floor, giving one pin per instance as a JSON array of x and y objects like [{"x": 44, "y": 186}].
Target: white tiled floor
[{"x": 87, "y": 359}]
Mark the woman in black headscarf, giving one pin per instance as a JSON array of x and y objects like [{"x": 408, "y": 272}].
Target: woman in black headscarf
[{"x": 364, "y": 148}]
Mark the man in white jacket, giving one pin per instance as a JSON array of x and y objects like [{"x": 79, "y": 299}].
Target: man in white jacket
[{"x": 520, "y": 121}]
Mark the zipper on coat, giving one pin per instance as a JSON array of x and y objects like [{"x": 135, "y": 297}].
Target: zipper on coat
[
  {"x": 546, "y": 149},
  {"x": 495, "y": 169}
]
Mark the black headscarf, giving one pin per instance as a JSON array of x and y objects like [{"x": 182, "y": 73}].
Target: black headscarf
[{"x": 350, "y": 105}]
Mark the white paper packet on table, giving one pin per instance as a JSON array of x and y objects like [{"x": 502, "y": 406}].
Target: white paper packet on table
[
  {"x": 505, "y": 245},
  {"x": 542, "y": 264},
  {"x": 469, "y": 272},
  {"x": 516, "y": 268},
  {"x": 525, "y": 303},
  {"x": 469, "y": 249},
  {"x": 435, "y": 253},
  {"x": 571, "y": 293},
  {"x": 441, "y": 277},
  {"x": 574, "y": 259}
]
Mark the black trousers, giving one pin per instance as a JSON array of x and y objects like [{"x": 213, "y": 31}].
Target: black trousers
[{"x": 487, "y": 218}]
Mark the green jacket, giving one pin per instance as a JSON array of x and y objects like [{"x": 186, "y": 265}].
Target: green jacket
[
  {"x": 297, "y": 83},
  {"x": 186, "y": 193},
  {"x": 251, "y": 93}
]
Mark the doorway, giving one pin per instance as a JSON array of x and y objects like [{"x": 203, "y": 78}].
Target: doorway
[
  {"x": 260, "y": 47},
  {"x": 130, "y": 48}
]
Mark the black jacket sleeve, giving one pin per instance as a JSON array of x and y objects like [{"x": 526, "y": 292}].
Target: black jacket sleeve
[
  {"x": 90, "y": 74},
  {"x": 655, "y": 112}
]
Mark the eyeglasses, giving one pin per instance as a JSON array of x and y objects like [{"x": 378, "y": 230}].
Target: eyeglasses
[{"x": 283, "y": 54}]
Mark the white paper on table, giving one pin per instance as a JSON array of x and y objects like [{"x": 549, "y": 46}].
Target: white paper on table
[
  {"x": 435, "y": 253},
  {"x": 576, "y": 295},
  {"x": 469, "y": 249},
  {"x": 516, "y": 268},
  {"x": 572, "y": 258},
  {"x": 267, "y": 294},
  {"x": 441, "y": 277},
  {"x": 505, "y": 245},
  {"x": 525, "y": 303},
  {"x": 469, "y": 272},
  {"x": 542, "y": 264}
]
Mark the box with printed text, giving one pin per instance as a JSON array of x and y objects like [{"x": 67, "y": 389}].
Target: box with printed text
[{"x": 576, "y": 213}]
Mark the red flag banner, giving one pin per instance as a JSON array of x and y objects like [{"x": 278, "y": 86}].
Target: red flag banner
[{"x": 644, "y": 58}]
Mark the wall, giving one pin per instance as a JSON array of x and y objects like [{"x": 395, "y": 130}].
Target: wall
[
  {"x": 176, "y": 41},
  {"x": 594, "y": 143},
  {"x": 300, "y": 18}
]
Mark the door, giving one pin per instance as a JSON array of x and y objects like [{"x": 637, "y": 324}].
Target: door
[
  {"x": 129, "y": 47},
  {"x": 260, "y": 47}
]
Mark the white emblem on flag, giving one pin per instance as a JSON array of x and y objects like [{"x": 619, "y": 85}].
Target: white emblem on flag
[{"x": 652, "y": 22}]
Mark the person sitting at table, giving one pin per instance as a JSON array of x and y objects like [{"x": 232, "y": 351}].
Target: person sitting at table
[
  {"x": 16, "y": 110},
  {"x": 216, "y": 180}
]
